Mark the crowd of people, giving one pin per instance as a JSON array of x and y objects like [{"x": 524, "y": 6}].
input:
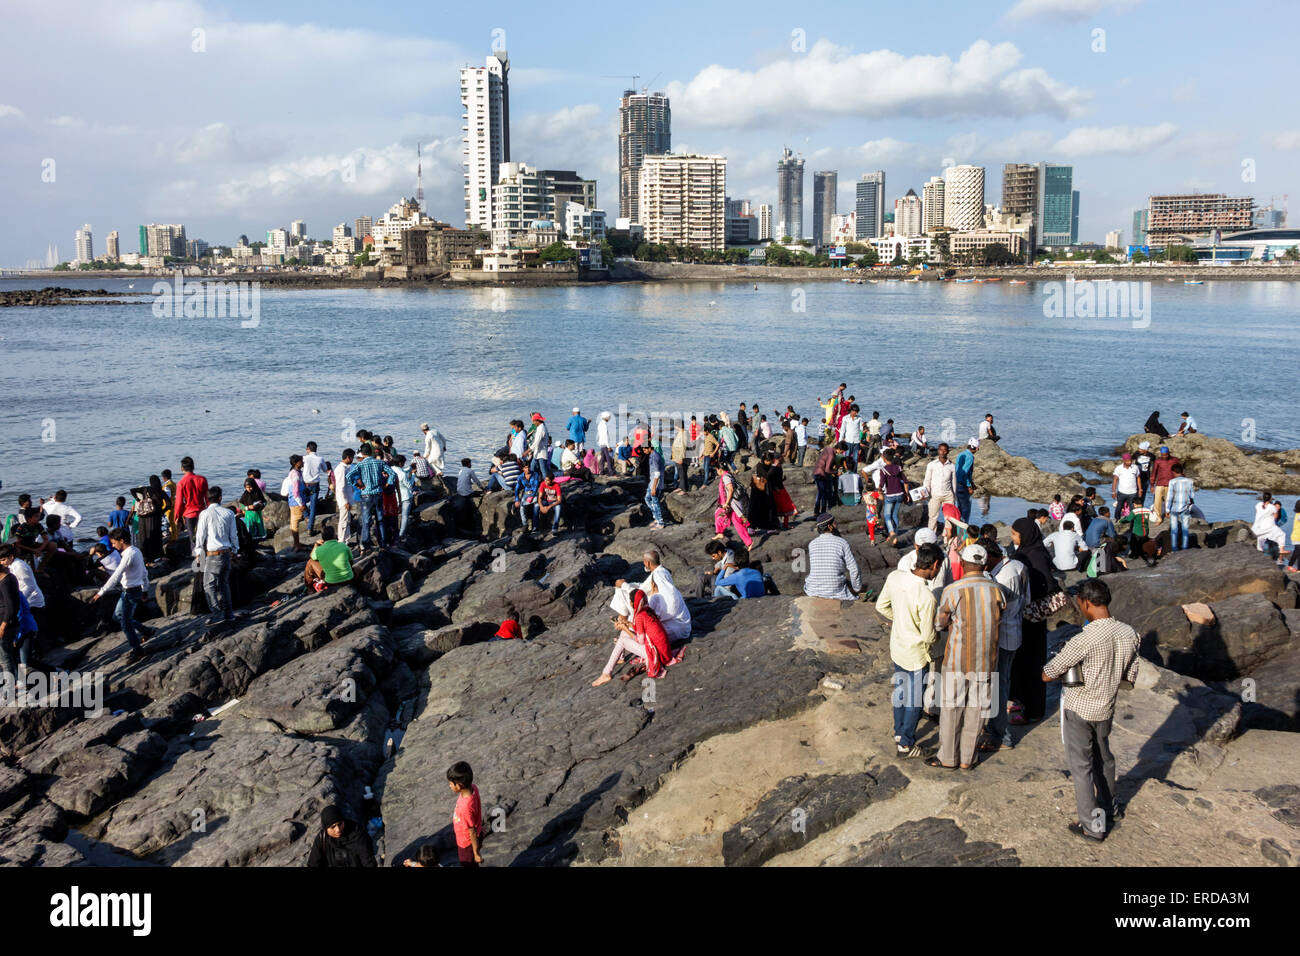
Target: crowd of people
[{"x": 955, "y": 588}]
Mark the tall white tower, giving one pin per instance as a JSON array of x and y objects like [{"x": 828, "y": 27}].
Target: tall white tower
[{"x": 485, "y": 97}]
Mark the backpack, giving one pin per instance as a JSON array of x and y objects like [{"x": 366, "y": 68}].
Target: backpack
[
  {"x": 145, "y": 506},
  {"x": 739, "y": 500}
]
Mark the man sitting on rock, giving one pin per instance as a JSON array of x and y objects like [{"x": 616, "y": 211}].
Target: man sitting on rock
[
  {"x": 340, "y": 842},
  {"x": 330, "y": 563},
  {"x": 832, "y": 569}
]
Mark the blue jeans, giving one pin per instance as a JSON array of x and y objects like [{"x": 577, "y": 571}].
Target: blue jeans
[
  {"x": 803, "y": 450},
  {"x": 825, "y": 493},
  {"x": 908, "y": 696},
  {"x": 216, "y": 585},
  {"x": 675, "y": 474},
  {"x": 313, "y": 495},
  {"x": 852, "y": 454},
  {"x": 963, "y": 503},
  {"x": 371, "y": 510},
  {"x": 656, "y": 506},
  {"x": 543, "y": 465},
  {"x": 725, "y": 590},
  {"x": 1178, "y": 530},
  {"x": 537, "y": 517},
  {"x": 705, "y": 464},
  {"x": 892, "y": 504},
  {"x": 405, "y": 517},
  {"x": 998, "y": 728},
  {"x": 124, "y": 614}
]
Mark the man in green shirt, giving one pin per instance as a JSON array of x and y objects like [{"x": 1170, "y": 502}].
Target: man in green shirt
[{"x": 330, "y": 563}]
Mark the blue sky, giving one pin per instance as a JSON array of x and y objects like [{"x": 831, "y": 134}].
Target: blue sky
[{"x": 260, "y": 126}]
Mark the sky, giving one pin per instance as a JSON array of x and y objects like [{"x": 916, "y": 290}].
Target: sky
[{"x": 239, "y": 117}]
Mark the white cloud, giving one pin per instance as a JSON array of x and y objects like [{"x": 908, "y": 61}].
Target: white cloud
[
  {"x": 569, "y": 138},
  {"x": 1066, "y": 9},
  {"x": 829, "y": 81},
  {"x": 1109, "y": 140},
  {"x": 219, "y": 143},
  {"x": 10, "y": 111},
  {"x": 1288, "y": 139}
]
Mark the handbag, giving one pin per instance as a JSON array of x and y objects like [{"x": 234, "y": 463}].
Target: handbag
[{"x": 1045, "y": 607}]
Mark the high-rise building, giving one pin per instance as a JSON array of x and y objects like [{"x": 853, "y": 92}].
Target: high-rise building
[
  {"x": 870, "y": 205},
  {"x": 163, "y": 240},
  {"x": 362, "y": 226},
  {"x": 277, "y": 242},
  {"x": 485, "y": 97},
  {"x": 1140, "y": 227},
  {"x": 963, "y": 198},
  {"x": 1267, "y": 217},
  {"x": 1113, "y": 239},
  {"x": 765, "y": 221},
  {"x": 112, "y": 247},
  {"x": 1074, "y": 218},
  {"x": 907, "y": 215},
  {"x": 85, "y": 245},
  {"x": 789, "y": 196},
  {"x": 932, "y": 205},
  {"x": 684, "y": 200},
  {"x": 1053, "y": 207},
  {"x": 644, "y": 129},
  {"x": 521, "y": 197},
  {"x": 568, "y": 187},
  {"x": 1020, "y": 188},
  {"x": 825, "y": 185},
  {"x": 196, "y": 249},
  {"x": 298, "y": 228},
  {"x": 1178, "y": 219}
]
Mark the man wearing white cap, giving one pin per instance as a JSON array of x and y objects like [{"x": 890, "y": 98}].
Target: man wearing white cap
[
  {"x": 577, "y": 428},
  {"x": 908, "y": 561},
  {"x": 971, "y": 610},
  {"x": 435, "y": 446},
  {"x": 604, "y": 446}
]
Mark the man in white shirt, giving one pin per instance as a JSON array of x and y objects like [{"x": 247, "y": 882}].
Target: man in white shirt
[
  {"x": 1013, "y": 579},
  {"x": 22, "y": 571},
  {"x": 986, "y": 430},
  {"x": 435, "y": 446},
  {"x": 345, "y": 495},
  {"x": 1188, "y": 426},
  {"x": 1065, "y": 545},
  {"x": 941, "y": 480},
  {"x": 216, "y": 539},
  {"x": 59, "y": 506},
  {"x": 908, "y": 561},
  {"x": 1125, "y": 485},
  {"x": 604, "y": 445},
  {"x": 851, "y": 433},
  {"x": 664, "y": 598},
  {"x": 132, "y": 575},
  {"x": 311, "y": 475},
  {"x": 801, "y": 440}
]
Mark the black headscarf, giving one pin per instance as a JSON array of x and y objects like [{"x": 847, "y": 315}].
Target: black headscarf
[
  {"x": 1032, "y": 553},
  {"x": 156, "y": 489}
]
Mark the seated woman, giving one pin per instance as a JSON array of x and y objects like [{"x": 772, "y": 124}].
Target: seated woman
[{"x": 644, "y": 637}]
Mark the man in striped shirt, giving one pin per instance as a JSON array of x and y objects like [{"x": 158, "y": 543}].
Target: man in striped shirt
[
  {"x": 1106, "y": 649},
  {"x": 832, "y": 570},
  {"x": 971, "y": 610}
]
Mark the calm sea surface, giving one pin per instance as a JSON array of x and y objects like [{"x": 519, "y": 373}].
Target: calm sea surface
[{"x": 124, "y": 394}]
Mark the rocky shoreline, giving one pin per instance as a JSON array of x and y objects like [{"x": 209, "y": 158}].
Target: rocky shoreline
[
  {"x": 1214, "y": 463},
  {"x": 781, "y": 702}
]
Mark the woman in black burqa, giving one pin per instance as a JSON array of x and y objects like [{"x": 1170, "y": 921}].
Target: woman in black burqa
[{"x": 1027, "y": 686}]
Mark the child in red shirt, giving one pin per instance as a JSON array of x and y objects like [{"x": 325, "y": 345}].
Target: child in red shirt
[{"x": 467, "y": 818}]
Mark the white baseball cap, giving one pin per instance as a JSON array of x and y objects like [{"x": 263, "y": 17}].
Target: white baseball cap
[
  {"x": 973, "y": 443},
  {"x": 974, "y": 554},
  {"x": 1144, "y": 445},
  {"x": 575, "y": 409},
  {"x": 424, "y": 427},
  {"x": 925, "y": 536}
]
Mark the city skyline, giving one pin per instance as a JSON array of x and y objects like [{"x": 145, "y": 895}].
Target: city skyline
[{"x": 1020, "y": 88}]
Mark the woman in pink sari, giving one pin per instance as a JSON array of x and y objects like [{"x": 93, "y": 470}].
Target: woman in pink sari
[{"x": 729, "y": 513}]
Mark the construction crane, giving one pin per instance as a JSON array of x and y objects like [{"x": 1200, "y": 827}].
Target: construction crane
[{"x": 633, "y": 77}]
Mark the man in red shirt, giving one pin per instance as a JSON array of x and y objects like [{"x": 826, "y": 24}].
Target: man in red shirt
[
  {"x": 191, "y": 496},
  {"x": 467, "y": 818},
  {"x": 1162, "y": 470}
]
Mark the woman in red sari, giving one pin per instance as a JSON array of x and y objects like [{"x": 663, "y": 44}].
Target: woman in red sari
[{"x": 645, "y": 638}]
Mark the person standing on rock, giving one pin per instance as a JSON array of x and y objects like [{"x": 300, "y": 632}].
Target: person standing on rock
[
  {"x": 604, "y": 445},
  {"x": 654, "y": 492},
  {"x": 1126, "y": 486},
  {"x": 133, "y": 577},
  {"x": 908, "y": 603},
  {"x": 191, "y": 497},
  {"x": 941, "y": 481},
  {"x": 1162, "y": 471},
  {"x": 369, "y": 476},
  {"x": 518, "y": 441},
  {"x": 1265, "y": 527},
  {"x": 577, "y": 428},
  {"x": 344, "y": 494},
  {"x": 1011, "y": 576},
  {"x": 964, "y": 478},
  {"x": 311, "y": 478},
  {"x": 1027, "y": 690},
  {"x": 971, "y": 610},
  {"x": 1106, "y": 651},
  {"x": 435, "y": 448},
  {"x": 216, "y": 539},
  {"x": 1181, "y": 490},
  {"x": 1144, "y": 461},
  {"x": 824, "y": 476},
  {"x": 851, "y": 434},
  {"x": 340, "y": 842},
  {"x": 294, "y": 489},
  {"x": 539, "y": 446},
  {"x": 832, "y": 569},
  {"x": 526, "y": 487}
]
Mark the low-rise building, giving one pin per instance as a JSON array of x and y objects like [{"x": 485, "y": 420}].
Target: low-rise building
[{"x": 975, "y": 240}]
